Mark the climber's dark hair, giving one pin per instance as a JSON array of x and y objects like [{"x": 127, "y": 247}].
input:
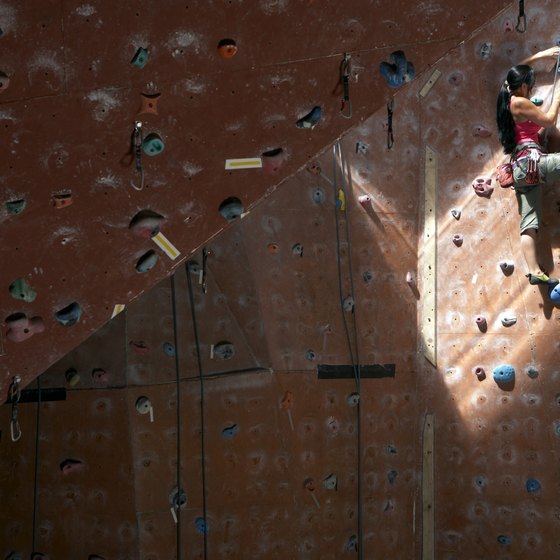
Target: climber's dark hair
[{"x": 516, "y": 77}]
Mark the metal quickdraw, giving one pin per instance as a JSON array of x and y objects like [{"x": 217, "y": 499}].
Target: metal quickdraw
[
  {"x": 390, "y": 138},
  {"x": 205, "y": 254},
  {"x": 521, "y": 18},
  {"x": 137, "y": 140},
  {"x": 346, "y": 105},
  {"x": 14, "y": 396}
]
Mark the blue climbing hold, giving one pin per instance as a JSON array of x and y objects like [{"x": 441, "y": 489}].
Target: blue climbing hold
[
  {"x": 504, "y": 539},
  {"x": 533, "y": 485},
  {"x": 351, "y": 544},
  {"x": 397, "y": 72},
  {"x": 311, "y": 119},
  {"x": 554, "y": 294},
  {"x": 504, "y": 374},
  {"x": 201, "y": 526},
  {"x": 169, "y": 349},
  {"x": 228, "y": 433},
  {"x": 70, "y": 315}
]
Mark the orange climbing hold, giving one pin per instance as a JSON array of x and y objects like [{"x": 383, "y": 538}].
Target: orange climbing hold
[{"x": 227, "y": 48}]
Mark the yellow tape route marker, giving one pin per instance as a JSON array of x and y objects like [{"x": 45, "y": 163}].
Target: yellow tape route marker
[
  {"x": 166, "y": 246},
  {"x": 119, "y": 307},
  {"x": 244, "y": 163}
]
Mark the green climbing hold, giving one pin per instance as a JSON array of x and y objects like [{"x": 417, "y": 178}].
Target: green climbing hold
[
  {"x": 140, "y": 57},
  {"x": 20, "y": 289},
  {"x": 153, "y": 144},
  {"x": 15, "y": 206}
]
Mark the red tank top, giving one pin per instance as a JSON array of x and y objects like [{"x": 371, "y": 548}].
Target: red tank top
[{"x": 527, "y": 131}]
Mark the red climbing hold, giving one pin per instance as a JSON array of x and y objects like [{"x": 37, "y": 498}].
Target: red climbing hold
[
  {"x": 483, "y": 186},
  {"x": 21, "y": 328}
]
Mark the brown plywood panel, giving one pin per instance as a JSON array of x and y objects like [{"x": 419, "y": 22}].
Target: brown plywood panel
[
  {"x": 70, "y": 130},
  {"x": 91, "y": 499}
]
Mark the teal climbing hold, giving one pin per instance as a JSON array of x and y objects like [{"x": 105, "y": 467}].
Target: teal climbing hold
[
  {"x": 504, "y": 539},
  {"x": 153, "y": 144},
  {"x": 504, "y": 374},
  {"x": 16, "y": 206},
  {"x": 140, "y": 57},
  {"x": 231, "y": 208},
  {"x": 146, "y": 262},
  {"x": 20, "y": 289}
]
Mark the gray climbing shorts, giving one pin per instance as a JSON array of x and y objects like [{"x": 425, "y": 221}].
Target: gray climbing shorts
[{"x": 529, "y": 197}]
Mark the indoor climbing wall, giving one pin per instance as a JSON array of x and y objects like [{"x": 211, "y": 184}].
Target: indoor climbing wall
[
  {"x": 218, "y": 415},
  {"x": 128, "y": 127}
]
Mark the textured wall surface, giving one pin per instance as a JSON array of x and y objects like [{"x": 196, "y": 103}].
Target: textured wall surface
[
  {"x": 275, "y": 461},
  {"x": 73, "y": 96}
]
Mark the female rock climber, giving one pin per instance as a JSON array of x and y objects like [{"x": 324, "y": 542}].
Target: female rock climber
[{"x": 520, "y": 124}]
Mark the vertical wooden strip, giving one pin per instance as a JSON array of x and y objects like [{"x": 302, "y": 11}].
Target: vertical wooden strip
[
  {"x": 429, "y": 258},
  {"x": 428, "y": 552}
]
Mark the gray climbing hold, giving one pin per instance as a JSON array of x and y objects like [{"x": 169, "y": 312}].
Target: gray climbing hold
[
  {"x": 310, "y": 355},
  {"x": 223, "y": 350},
  {"x": 297, "y": 249},
  {"x": 504, "y": 539},
  {"x": 331, "y": 482},
  {"x": 353, "y": 399},
  {"x": 508, "y": 320},
  {"x": 169, "y": 349},
  {"x": 532, "y": 372},
  {"x": 507, "y": 267},
  {"x": 348, "y": 304},
  {"x": 178, "y": 498},
  {"x": 318, "y": 195},
  {"x": 456, "y": 213}
]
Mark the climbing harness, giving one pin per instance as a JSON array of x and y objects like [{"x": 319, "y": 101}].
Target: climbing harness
[
  {"x": 346, "y": 105},
  {"x": 390, "y": 138},
  {"x": 521, "y": 18},
  {"x": 15, "y": 394},
  {"x": 137, "y": 140}
]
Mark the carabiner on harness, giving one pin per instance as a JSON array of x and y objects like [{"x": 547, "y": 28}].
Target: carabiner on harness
[
  {"x": 390, "y": 138},
  {"x": 521, "y": 18},
  {"x": 346, "y": 105},
  {"x": 137, "y": 140}
]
